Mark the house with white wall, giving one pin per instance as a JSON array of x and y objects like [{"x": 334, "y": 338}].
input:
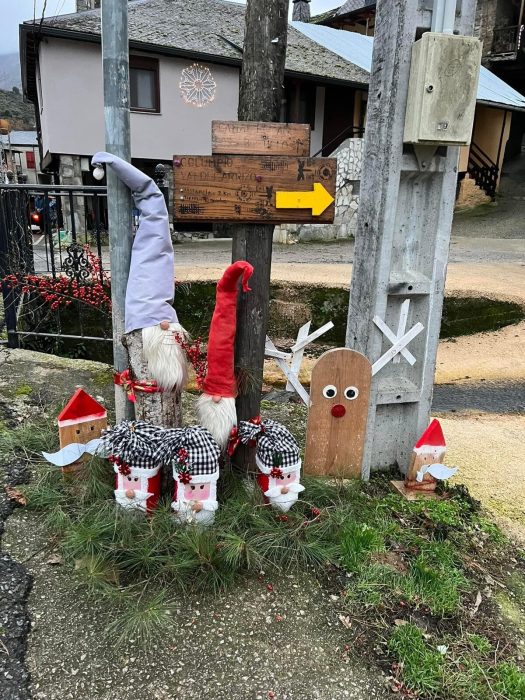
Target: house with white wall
[{"x": 185, "y": 60}]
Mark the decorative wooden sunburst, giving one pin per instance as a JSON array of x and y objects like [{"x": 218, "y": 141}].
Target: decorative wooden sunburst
[{"x": 197, "y": 86}]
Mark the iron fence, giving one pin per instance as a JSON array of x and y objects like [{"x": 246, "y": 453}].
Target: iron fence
[{"x": 58, "y": 233}]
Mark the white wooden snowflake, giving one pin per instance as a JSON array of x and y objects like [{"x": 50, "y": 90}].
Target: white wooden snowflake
[{"x": 197, "y": 86}]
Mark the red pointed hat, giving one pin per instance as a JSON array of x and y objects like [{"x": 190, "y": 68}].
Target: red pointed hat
[
  {"x": 220, "y": 378},
  {"x": 432, "y": 439}
]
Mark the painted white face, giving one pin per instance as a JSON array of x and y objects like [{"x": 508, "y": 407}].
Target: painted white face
[
  {"x": 130, "y": 482},
  {"x": 197, "y": 492}
]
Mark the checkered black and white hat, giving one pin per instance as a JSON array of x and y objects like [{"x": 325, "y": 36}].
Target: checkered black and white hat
[
  {"x": 276, "y": 446},
  {"x": 193, "y": 453},
  {"x": 134, "y": 445}
]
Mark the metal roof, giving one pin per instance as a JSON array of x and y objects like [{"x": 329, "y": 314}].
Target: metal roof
[
  {"x": 357, "y": 49},
  {"x": 20, "y": 138}
]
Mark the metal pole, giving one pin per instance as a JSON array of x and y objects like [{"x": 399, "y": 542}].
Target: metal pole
[
  {"x": 449, "y": 17},
  {"x": 115, "y": 60}
]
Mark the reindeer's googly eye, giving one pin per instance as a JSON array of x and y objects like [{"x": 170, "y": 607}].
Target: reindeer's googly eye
[
  {"x": 329, "y": 392},
  {"x": 351, "y": 393}
]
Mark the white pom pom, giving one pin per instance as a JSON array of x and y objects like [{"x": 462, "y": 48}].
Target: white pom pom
[{"x": 98, "y": 173}]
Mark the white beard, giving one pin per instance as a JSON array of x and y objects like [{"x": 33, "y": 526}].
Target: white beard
[
  {"x": 219, "y": 418},
  {"x": 138, "y": 502},
  {"x": 185, "y": 514},
  {"x": 166, "y": 359},
  {"x": 284, "y": 501}
]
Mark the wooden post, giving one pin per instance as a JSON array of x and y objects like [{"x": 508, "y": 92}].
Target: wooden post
[
  {"x": 402, "y": 240},
  {"x": 115, "y": 61},
  {"x": 261, "y": 94}
]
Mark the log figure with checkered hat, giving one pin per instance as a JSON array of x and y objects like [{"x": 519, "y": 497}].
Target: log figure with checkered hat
[
  {"x": 278, "y": 461},
  {"x": 194, "y": 456},
  {"x": 132, "y": 449}
]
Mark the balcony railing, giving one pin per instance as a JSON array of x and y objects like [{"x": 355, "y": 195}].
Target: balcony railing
[{"x": 507, "y": 40}]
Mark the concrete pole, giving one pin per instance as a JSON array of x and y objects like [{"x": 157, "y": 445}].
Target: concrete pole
[
  {"x": 402, "y": 238},
  {"x": 115, "y": 59}
]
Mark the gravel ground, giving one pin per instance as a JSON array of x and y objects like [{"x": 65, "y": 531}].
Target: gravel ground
[
  {"x": 15, "y": 584},
  {"x": 247, "y": 644}
]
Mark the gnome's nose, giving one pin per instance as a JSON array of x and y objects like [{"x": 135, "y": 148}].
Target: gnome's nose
[
  {"x": 338, "y": 411},
  {"x": 284, "y": 490}
]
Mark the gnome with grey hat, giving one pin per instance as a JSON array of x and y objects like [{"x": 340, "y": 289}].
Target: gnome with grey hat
[{"x": 150, "y": 288}]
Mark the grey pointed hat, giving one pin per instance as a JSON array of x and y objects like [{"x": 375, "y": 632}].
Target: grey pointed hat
[{"x": 151, "y": 276}]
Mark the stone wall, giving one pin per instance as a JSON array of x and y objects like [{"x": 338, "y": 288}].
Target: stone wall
[
  {"x": 349, "y": 165},
  {"x": 486, "y": 11}
]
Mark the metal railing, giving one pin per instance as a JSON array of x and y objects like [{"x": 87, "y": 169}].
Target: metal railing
[
  {"x": 483, "y": 170},
  {"x": 507, "y": 40},
  {"x": 52, "y": 231}
]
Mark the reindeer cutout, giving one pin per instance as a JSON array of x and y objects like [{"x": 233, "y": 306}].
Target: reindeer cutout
[{"x": 339, "y": 401}]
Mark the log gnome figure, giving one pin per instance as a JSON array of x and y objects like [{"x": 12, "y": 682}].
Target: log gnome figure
[
  {"x": 427, "y": 467},
  {"x": 132, "y": 449},
  {"x": 278, "y": 461},
  {"x": 216, "y": 405},
  {"x": 150, "y": 288},
  {"x": 194, "y": 455}
]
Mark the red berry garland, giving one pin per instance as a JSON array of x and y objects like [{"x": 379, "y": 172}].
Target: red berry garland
[{"x": 182, "y": 466}]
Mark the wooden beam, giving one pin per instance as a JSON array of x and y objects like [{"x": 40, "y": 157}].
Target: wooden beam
[
  {"x": 260, "y": 97},
  {"x": 260, "y": 138}
]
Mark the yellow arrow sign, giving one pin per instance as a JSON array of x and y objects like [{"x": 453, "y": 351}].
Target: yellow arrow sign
[{"x": 317, "y": 200}]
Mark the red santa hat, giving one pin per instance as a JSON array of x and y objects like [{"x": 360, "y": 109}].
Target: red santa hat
[
  {"x": 216, "y": 405},
  {"x": 220, "y": 378},
  {"x": 432, "y": 441}
]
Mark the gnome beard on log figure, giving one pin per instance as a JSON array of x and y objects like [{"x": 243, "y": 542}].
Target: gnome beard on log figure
[
  {"x": 150, "y": 286},
  {"x": 216, "y": 406},
  {"x": 427, "y": 467}
]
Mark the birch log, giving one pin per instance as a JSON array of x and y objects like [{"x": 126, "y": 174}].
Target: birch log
[{"x": 161, "y": 408}]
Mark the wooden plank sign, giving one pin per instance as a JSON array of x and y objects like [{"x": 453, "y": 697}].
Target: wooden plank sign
[
  {"x": 254, "y": 189},
  {"x": 260, "y": 138},
  {"x": 339, "y": 400}
]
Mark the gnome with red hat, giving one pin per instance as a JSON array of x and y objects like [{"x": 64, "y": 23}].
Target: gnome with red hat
[
  {"x": 150, "y": 288},
  {"x": 426, "y": 467},
  {"x": 216, "y": 406}
]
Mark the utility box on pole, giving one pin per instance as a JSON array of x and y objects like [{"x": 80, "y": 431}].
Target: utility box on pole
[
  {"x": 405, "y": 214},
  {"x": 442, "y": 90}
]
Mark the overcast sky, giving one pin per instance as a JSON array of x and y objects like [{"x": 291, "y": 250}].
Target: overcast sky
[{"x": 13, "y": 12}]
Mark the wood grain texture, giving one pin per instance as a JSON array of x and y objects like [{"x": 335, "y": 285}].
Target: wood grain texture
[
  {"x": 334, "y": 446},
  {"x": 82, "y": 432},
  {"x": 403, "y": 234},
  {"x": 242, "y": 188},
  {"x": 260, "y": 138},
  {"x": 162, "y": 408}
]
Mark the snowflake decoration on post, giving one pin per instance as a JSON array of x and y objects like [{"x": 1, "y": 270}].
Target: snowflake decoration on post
[{"x": 197, "y": 86}]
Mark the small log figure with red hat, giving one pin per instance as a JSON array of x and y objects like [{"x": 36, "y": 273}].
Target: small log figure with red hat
[
  {"x": 426, "y": 467},
  {"x": 278, "y": 460},
  {"x": 80, "y": 425},
  {"x": 132, "y": 447},
  {"x": 157, "y": 361},
  {"x": 216, "y": 406}
]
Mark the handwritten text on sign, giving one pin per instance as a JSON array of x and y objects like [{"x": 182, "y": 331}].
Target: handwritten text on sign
[{"x": 244, "y": 188}]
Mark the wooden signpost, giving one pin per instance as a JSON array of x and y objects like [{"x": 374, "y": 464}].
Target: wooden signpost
[
  {"x": 274, "y": 184},
  {"x": 254, "y": 138}
]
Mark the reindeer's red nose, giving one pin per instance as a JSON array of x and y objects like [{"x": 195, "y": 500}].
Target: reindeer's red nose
[{"x": 338, "y": 410}]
